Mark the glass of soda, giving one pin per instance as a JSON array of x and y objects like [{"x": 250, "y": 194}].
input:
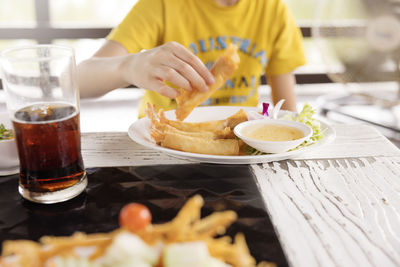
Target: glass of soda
[{"x": 43, "y": 103}]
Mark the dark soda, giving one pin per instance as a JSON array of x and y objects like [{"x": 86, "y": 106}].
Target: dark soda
[{"x": 49, "y": 147}]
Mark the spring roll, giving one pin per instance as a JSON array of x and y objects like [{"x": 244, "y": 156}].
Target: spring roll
[
  {"x": 223, "y": 68},
  {"x": 211, "y": 126},
  {"x": 192, "y": 144}
]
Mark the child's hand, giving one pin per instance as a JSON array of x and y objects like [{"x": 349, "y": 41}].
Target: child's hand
[{"x": 170, "y": 62}]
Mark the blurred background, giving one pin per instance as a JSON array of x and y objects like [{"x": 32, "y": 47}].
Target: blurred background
[
  {"x": 83, "y": 23},
  {"x": 352, "y": 48}
]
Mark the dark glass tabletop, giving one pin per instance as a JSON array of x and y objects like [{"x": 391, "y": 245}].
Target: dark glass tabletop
[{"x": 163, "y": 189}]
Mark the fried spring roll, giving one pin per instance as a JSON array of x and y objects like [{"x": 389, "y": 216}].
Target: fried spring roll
[
  {"x": 200, "y": 145},
  {"x": 225, "y": 133},
  {"x": 211, "y": 126},
  {"x": 223, "y": 68},
  {"x": 162, "y": 127}
]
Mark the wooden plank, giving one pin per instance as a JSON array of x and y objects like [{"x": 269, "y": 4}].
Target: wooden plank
[
  {"x": 54, "y": 32},
  {"x": 51, "y": 33},
  {"x": 354, "y": 140},
  {"x": 306, "y": 78},
  {"x": 341, "y": 212},
  {"x": 117, "y": 149}
]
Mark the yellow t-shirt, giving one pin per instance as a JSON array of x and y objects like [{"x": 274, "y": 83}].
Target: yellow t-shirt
[{"x": 268, "y": 39}]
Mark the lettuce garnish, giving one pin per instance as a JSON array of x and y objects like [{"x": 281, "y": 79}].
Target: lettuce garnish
[
  {"x": 306, "y": 116},
  {"x": 5, "y": 133}
]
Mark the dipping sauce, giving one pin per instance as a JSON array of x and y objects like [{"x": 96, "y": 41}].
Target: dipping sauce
[{"x": 273, "y": 132}]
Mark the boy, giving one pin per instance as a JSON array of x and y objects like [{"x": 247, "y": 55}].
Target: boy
[{"x": 182, "y": 38}]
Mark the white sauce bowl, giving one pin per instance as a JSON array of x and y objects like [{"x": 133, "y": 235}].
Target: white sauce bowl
[
  {"x": 8, "y": 150},
  {"x": 272, "y": 146}
]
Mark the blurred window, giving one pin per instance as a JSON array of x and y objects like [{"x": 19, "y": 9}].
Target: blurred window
[
  {"x": 17, "y": 13},
  {"x": 314, "y": 63},
  {"x": 316, "y": 13},
  {"x": 84, "y": 48},
  {"x": 72, "y": 15},
  {"x": 19, "y": 42},
  {"x": 308, "y": 11}
]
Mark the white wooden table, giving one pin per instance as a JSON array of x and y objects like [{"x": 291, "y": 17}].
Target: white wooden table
[
  {"x": 339, "y": 210},
  {"x": 338, "y": 205},
  {"x": 335, "y": 206}
]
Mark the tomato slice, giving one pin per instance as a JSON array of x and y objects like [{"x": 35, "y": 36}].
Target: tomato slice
[{"x": 134, "y": 217}]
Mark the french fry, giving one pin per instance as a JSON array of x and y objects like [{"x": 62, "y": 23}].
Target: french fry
[
  {"x": 214, "y": 224},
  {"x": 242, "y": 255},
  {"x": 185, "y": 227},
  {"x": 29, "y": 252}
]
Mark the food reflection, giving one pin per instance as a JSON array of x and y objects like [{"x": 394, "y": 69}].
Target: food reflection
[{"x": 187, "y": 240}]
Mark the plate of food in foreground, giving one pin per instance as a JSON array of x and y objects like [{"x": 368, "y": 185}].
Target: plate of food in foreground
[
  {"x": 187, "y": 240},
  {"x": 207, "y": 135}
]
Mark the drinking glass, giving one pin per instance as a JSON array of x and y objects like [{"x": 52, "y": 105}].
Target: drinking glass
[{"x": 43, "y": 104}]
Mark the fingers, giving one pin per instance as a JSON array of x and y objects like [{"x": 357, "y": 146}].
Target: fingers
[
  {"x": 188, "y": 57},
  {"x": 169, "y": 74},
  {"x": 189, "y": 66},
  {"x": 163, "y": 89},
  {"x": 170, "y": 62}
]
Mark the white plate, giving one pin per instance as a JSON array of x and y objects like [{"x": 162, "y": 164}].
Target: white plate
[
  {"x": 13, "y": 170},
  {"x": 139, "y": 132}
]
